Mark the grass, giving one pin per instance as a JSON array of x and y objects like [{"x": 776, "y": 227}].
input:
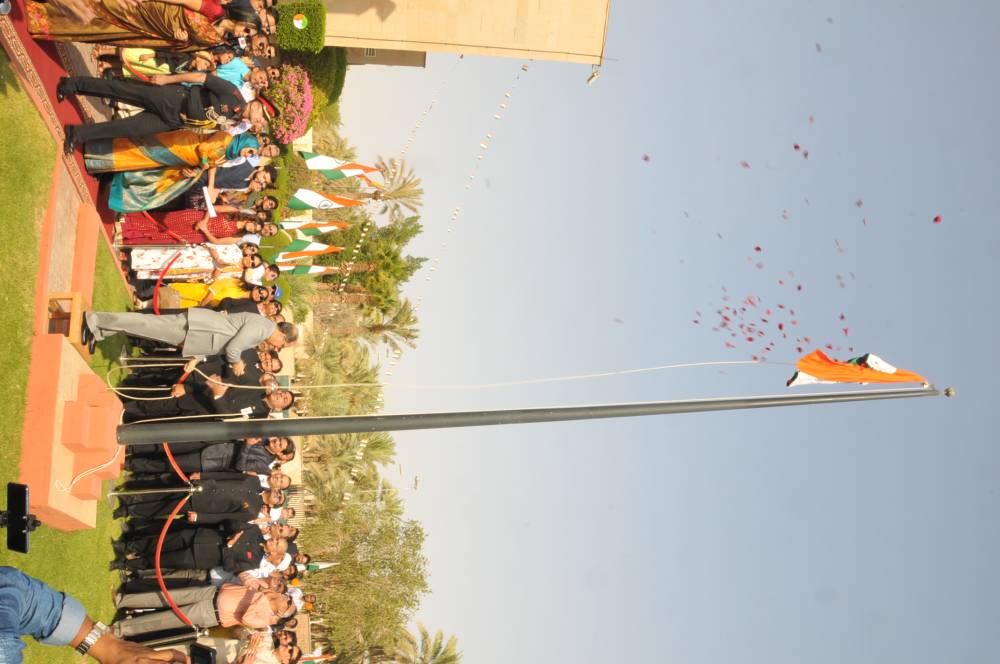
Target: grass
[{"x": 73, "y": 562}]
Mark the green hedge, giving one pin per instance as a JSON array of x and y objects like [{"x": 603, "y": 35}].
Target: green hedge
[
  {"x": 327, "y": 73},
  {"x": 311, "y": 39}
]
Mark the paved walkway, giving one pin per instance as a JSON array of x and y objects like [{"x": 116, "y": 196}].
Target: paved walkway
[{"x": 70, "y": 416}]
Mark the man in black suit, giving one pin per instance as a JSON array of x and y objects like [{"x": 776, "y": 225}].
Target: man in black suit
[
  {"x": 221, "y": 496},
  {"x": 210, "y": 103}
]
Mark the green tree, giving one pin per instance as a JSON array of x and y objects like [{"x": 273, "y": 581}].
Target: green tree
[
  {"x": 380, "y": 575},
  {"x": 394, "y": 329},
  {"x": 420, "y": 648},
  {"x": 382, "y": 249},
  {"x": 402, "y": 193}
]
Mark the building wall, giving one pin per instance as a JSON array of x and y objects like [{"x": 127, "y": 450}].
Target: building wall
[
  {"x": 387, "y": 57},
  {"x": 565, "y": 30}
]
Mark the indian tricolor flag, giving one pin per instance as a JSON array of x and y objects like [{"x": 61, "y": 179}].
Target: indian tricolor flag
[
  {"x": 816, "y": 368},
  {"x": 310, "y": 227},
  {"x": 351, "y": 170},
  {"x": 320, "y": 162},
  {"x": 304, "y": 249},
  {"x": 306, "y": 199},
  {"x": 298, "y": 270}
]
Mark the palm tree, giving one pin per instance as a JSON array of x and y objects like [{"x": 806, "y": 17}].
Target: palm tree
[
  {"x": 402, "y": 191},
  {"x": 422, "y": 649},
  {"x": 395, "y": 329}
]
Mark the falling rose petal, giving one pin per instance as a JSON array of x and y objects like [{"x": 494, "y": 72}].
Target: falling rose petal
[
  {"x": 795, "y": 322},
  {"x": 785, "y": 214},
  {"x": 819, "y": 47},
  {"x": 781, "y": 282},
  {"x": 781, "y": 306},
  {"x": 805, "y": 154},
  {"x": 749, "y": 339},
  {"x": 768, "y": 312},
  {"x": 859, "y": 203},
  {"x": 864, "y": 220},
  {"x": 850, "y": 348},
  {"x": 937, "y": 219},
  {"x": 754, "y": 358},
  {"x": 796, "y": 147},
  {"x": 646, "y": 158},
  {"x": 845, "y": 331},
  {"x": 745, "y": 164},
  {"x": 718, "y": 235},
  {"x": 781, "y": 326},
  {"x": 829, "y": 346},
  {"x": 799, "y": 287},
  {"x": 758, "y": 249},
  {"x": 729, "y": 345},
  {"x": 812, "y": 119},
  {"x": 806, "y": 339},
  {"x": 798, "y": 349},
  {"x": 760, "y": 266},
  {"x": 791, "y": 311},
  {"x": 843, "y": 317}
]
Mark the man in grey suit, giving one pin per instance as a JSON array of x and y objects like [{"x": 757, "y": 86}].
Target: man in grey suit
[{"x": 197, "y": 332}]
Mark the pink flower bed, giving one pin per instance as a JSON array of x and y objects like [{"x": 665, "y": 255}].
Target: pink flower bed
[{"x": 292, "y": 95}]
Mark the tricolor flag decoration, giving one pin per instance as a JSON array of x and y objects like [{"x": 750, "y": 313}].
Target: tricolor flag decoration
[
  {"x": 351, "y": 170},
  {"x": 294, "y": 270},
  {"x": 309, "y": 227},
  {"x": 816, "y": 368},
  {"x": 306, "y": 199},
  {"x": 336, "y": 169},
  {"x": 304, "y": 249},
  {"x": 320, "y": 162}
]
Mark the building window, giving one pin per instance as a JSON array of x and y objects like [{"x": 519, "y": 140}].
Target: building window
[{"x": 369, "y": 53}]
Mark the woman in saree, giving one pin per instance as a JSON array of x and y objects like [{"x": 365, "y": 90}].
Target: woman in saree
[
  {"x": 168, "y": 149},
  {"x": 191, "y": 227},
  {"x": 153, "y": 170},
  {"x": 175, "y": 25},
  {"x": 197, "y": 262}
]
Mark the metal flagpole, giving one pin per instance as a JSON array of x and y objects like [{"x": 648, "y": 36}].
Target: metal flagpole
[{"x": 180, "y": 431}]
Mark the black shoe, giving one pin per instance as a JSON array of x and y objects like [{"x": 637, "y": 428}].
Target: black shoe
[
  {"x": 62, "y": 89},
  {"x": 71, "y": 142},
  {"x": 92, "y": 346},
  {"x": 116, "y": 564},
  {"x": 119, "y": 548},
  {"x": 121, "y": 512}
]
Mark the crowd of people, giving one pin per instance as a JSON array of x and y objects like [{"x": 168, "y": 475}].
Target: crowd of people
[
  {"x": 230, "y": 559},
  {"x": 184, "y": 162},
  {"x": 185, "y": 158}
]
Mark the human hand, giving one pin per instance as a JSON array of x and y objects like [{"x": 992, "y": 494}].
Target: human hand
[
  {"x": 192, "y": 516},
  {"x": 79, "y": 10},
  {"x": 178, "y": 390},
  {"x": 194, "y": 476},
  {"x": 111, "y": 650},
  {"x": 190, "y": 172},
  {"x": 238, "y": 367},
  {"x": 158, "y": 79},
  {"x": 190, "y": 365},
  {"x": 180, "y": 34}
]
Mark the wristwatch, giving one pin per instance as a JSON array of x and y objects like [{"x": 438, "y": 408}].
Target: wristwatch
[{"x": 96, "y": 632}]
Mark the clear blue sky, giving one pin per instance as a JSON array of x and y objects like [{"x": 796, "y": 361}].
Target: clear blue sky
[{"x": 862, "y": 533}]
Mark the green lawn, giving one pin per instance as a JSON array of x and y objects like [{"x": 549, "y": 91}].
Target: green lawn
[{"x": 73, "y": 562}]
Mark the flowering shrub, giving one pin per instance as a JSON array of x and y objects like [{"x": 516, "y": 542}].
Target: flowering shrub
[{"x": 292, "y": 96}]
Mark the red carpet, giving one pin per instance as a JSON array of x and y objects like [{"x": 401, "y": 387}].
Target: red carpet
[{"x": 46, "y": 61}]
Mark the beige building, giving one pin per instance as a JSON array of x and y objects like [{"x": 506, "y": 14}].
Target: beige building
[
  {"x": 565, "y": 30},
  {"x": 387, "y": 57}
]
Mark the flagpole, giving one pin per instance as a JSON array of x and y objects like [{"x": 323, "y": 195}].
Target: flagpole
[{"x": 183, "y": 431}]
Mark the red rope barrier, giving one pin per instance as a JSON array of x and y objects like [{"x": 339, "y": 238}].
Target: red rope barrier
[
  {"x": 166, "y": 230},
  {"x": 159, "y": 546},
  {"x": 172, "y": 460},
  {"x": 159, "y": 282}
]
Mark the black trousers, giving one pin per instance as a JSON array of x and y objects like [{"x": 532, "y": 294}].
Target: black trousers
[{"x": 163, "y": 103}]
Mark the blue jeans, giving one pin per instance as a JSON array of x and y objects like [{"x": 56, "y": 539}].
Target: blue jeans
[{"x": 29, "y": 606}]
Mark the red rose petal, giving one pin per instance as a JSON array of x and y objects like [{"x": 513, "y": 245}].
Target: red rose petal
[
  {"x": 745, "y": 164},
  {"x": 937, "y": 219},
  {"x": 797, "y": 147}
]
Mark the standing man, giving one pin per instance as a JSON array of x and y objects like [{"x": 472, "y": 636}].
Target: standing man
[
  {"x": 197, "y": 332},
  {"x": 210, "y": 103}
]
